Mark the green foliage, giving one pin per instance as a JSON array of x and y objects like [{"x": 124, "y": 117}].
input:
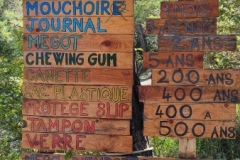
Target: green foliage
[
  {"x": 10, "y": 81},
  {"x": 228, "y": 23},
  {"x": 165, "y": 147},
  {"x": 146, "y": 8}
]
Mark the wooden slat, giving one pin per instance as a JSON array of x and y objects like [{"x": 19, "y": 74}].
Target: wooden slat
[
  {"x": 92, "y": 43},
  {"x": 76, "y": 109},
  {"x": 78, "y": 76},
  {"x": 190, "y": 9},
  {"x": 193, "y": 111},
  {"x": 126, "y": 8},
  {"x": 75, "y": 125},
  {"x": 199, "y": 77},
  {"x": 104, "y": 25},
  {"x": 196, "y": 26},
  {"x": 197, "y": 43},
  {"x": 188, "y": 94},
  {"x": 51, "y": 141},
  {"x": 190, "y": 128},
  {"x": 42, "y": 156},
  {"x": 115, "y": 60},
  {"x": 76, "y": 92},
  {"x": 172, "y": 60}
]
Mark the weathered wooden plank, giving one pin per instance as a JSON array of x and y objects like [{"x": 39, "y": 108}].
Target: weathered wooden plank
[
  {"x": 189, "y": 9},
  {"x": 191, "y": 111},
  {"x": 53, "y": 141},
  {"x": 173, "y": 60},
  {"x": 104, "y": 25},
  {"x": 75, "y": 125},
  {"x": 199, "y": 77},
  {"x": 197, "y": 43},
  {"x": 76, "y": 109},
  {"x": 196, "y": 26},
  {"x": 117, "y": 60},
  {"x": 78, "y": 76},
  {"x": 108, "y": 8},
  {"x": 77, "y": 42},
  {"x": 188, "y": 94},
  {"x": 77, "y": 93},
  {"x": 190, "y": 128},
  {"x": 41, "y": 156}
]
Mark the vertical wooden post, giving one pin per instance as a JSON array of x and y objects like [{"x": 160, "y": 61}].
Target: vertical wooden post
[{"x": 187, "y": 148}]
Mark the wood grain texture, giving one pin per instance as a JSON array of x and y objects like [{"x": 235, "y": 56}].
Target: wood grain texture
[
  {"x": 126, "y": 9},
  {"x": 193, "y": 111},
  {"x": 78, "y": 76},
  {"x": 42, "y": 156},
  {"x": 116, "y": 25},
  {"x": 170, "y": 60},
  {"x": 187, "y": 148},
  {"x": 51, "y": 141},
  {"x": 189, "y": 9},
  {"x": 75, "y": 125},
  {"x": 92, "y": 43},
  {"x": 198, "y": 77},
  {"x": 197, "y": 43},
  {"x": 186, "y": 94},
  {"x": 77, "y": 109},
  {"x": 191, "y": 128},
  {"x": 116, "y": 60},
  {"x": 77, "y": 93},
  {"x": 196, "y": 26}
]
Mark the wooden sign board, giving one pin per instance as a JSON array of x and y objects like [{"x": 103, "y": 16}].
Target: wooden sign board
[
  {"x": 196, "y": 26},
  {"x": 170, "y": 60},
  {"x": 77, "y": 93},
  {"x": 189, "y": 9},
  {"x": 53, "y": 108},
  {"x": 189, "y": 111},
  {"x": 75, "y": 125},
  {"x": 198, "y": 77},
  {"x": 88, "y": 25},
  {"x": 206, "y": 43},
  {"x": 77, "y": 42},
  {"x": 78, "y": 76},
  {"x": 95, "y": 8},
  {"x": 80, "y": 60},
  {"x": 56, "y": 141},
  {"x": 41, "y": 156},
  {"x": 191, "y": 128},
  {"x": 186, "y": 94}
]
